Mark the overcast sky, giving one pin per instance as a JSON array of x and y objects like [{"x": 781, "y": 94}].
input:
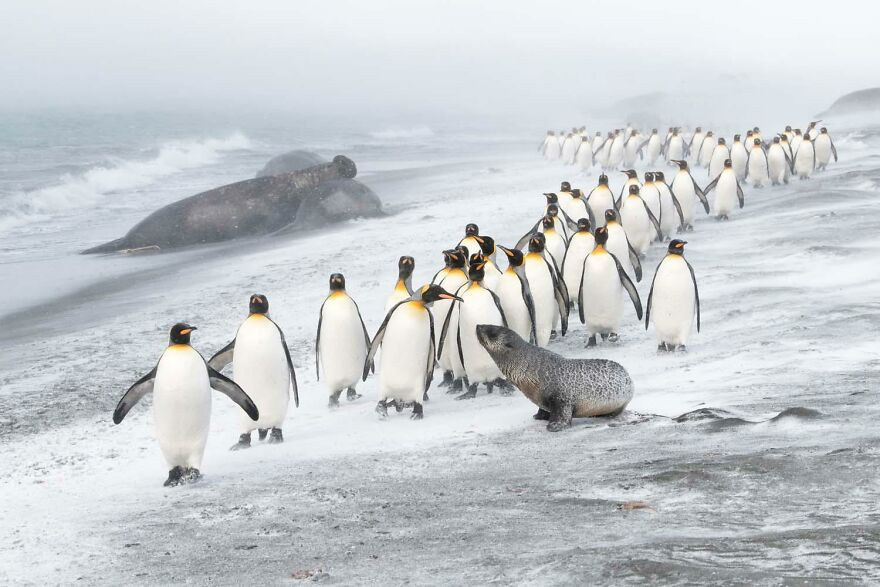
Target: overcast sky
[{"x": 420, "y": 59}]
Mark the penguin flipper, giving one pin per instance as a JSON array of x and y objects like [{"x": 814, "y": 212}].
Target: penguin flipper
[
  {"x": 527, "y": 298},
  {"x": 290, "y": 368},
  {"x": 696, "y": 293},
  {"x": 677, "y": 208},
  {"x": 833, "y": 149},
  {"x": 571, "y": 224},
  {"x": 366, "y": 334},
  {"x": 497, "y": 301},
  {"x": 628, "y": 285},
  {"x": 318, "y": 342},
  {"x": 651, "y": 295},
  {"x": 141, "y": 387},
  {"x": 525, "y": 238},
  {"x": 222, "y": 357},
  {"x": 560, "y": 293},
  {"x": 377, "y": 340},
  {"x": 429, "y": 372},
  {"x": 699, "y": 191},
  {"x": 444, "y": 329},
  {"x": 712, "y": 185},
  {"x": 653, "y": 220},
  {"x": 635, "y": 261},
  {"x": 581, "y": 292},
  {"x": 740, "y": 195},
  {"x": 230, "y": 389}
]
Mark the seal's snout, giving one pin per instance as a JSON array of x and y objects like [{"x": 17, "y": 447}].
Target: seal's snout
[
  {"x": 346, "y": 166},
  {"x": 487, "y": 333}
]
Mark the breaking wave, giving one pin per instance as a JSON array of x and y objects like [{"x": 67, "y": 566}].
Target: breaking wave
[
  {"x": 417, "y": 132},
  {"x": 84, "y": 189}
]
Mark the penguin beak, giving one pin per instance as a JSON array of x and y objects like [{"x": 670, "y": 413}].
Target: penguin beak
[
  {"x": 188, "y": 330},
  {"x": 448, "y": 296},
  {"x": 479, "y": 239},
  {"x": 507, "y": 251}
]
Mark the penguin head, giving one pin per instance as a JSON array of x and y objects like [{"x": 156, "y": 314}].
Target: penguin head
[
  {"x": 549, "y": 133},
  {"x": 721, "y": 141},
  {"x": 776, "y": 140},
  {"x": 497, "y": 339},
  {"x": 709, "y": 134},
  {"x": 447, "y": 257},
  {"x": 749, "y": 134},
  {"x": 658, "y": 176},
  {"x": 797, "y": 132},
  {"x": 584, "y": 224},
  {"x": 682, "y": 164},
  {"x": 547, "y": 222},
  {"x": 610, "y": 215},
  {"x": 601, "y": 235},
  {"x": 634, "y": 190},
  {"x": 487, "y": 244},
  {"x": 514, "y": 256},
  {"x": 477, "y": 267},
  {"x": 180, "y": 333},
  {"x": 676, "y": 246},
  {"x": 258, "y": 304},
  {"x": 565, "y": 187},
  {"x": 405, "y": 266},
  {"x": 603, "y": 179},
  {"x": 756, "y": 130},
  {"x": 757, "y": 142},
  {"x": 576, "y": 193},
  {"x": 728, "y": 163},
  {"x": 553, "y": 210},
  {"x": 649, "y": 177},
  {"x": 458, "y": 257},
  {"x": 471, "y": 229},
  {"x": 783, "y": 138},
  {"x": 337, "y": 282},
  {"x": 653, "y": 131},
  {"x": 735, "y": 138},
  {"x": 630, "y": 173},
  {"x": 823, "y": 130},
  {"x": 551, "y": 197},
  {"x": 429, "y": 294},
  {"x": 699, "y": 129},
  {"x": 537, "y": 242},
  {"x": 788, "y": 128}
]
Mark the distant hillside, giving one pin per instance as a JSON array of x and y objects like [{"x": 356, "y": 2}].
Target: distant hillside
[{"x": 861, "y": 101}]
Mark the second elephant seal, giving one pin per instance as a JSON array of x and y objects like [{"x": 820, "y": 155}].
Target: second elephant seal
[{"x": 561, "y": 388}]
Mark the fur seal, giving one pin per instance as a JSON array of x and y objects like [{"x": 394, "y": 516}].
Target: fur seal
[
  {"x": 560, "y": 387},
  {"x": 247, "y": 208}
]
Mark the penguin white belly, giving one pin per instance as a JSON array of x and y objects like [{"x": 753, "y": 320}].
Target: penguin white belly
[
  {"x": 471, "y": 244},
  {"x": 478, "y": 308},
  {"x": 556, "y": 247},
  {"x": 675, "y": 151},
  {"x": 543, "y": 296},
  {"x": 603, "y": 294},
  {"x": 584, "y": 156},
  {"x": 259, "y": 366},
  {"x": 631, "y": 152},
  {"x": 568, "y": 151},
  {"x": 803, "y": 160},
  {"x": 563, "y": 199},
  {"x": 576, "y": 208},
  {"x": 796, "y": 143},
  {"x": 654, "y": 147},
  {"x": 398, "y": 295},
  {"x": 618, "y": 246},
  {"x": 552, "y": 150},
  {"x": 738, "y": 158},
  {"x": 716, "y": 163},
  {"x": 673, "y": 301},
  {"x": 515, "y": 310},
  {"x": 601, "y": 200},
  {"x": 696, "y": 142},
  {"x": 636, "y": 223},
  {"x": 758, "y": 172},
  {"x": 182, "y": 406},
  {"x": 822, "y": 146},
  {"x": 343, "y": 348},
  {"x": 706, "y": 151},
  {"x": 615, "y": 155},
  {"x": 492, "y": 275},
  {"x": 725, "y": 195},
  {"x": 668, "y": 214},
  {"x": 581, "y": 245},
  {"x": 684, "y": 191},
  {"x": 605, "y": 153},
  {"x": 405, "y": 348},
  {"x": 777, "y": 164},
  {"x": 448, "y": 360}
]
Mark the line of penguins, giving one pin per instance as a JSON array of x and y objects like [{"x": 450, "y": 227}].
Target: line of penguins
[
  {"x": 788, "y": 153},
  {"x": 584, "y": 252}
]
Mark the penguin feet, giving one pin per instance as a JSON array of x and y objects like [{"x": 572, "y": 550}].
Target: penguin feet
[
  {"x": 418, "y": 412},
  {"x": 557, "y": 425},
  {"x": 681, "y": 348},
  {"x": 471, "y": 393},
  {"x": 604, "y": 336},
  {"x": 276, "y": 436},
  {"x": 190, "y": 475},
  {"x": 351, "y": 394},
  {"x": 382, "y": 409},
  {"x": 490, "y": 387},
  {"x": 399, "y": 405},
  {"x": 448, "y": 378},
  {"x": 613, "y": 337},
  {"x": 174, "y": 477},
  {"x": 244, "y": 441},
  {"x": 542, "y": 414},
  {"x": 456, "y": 386},
  {"x": 663, "y": 348},
  {"x": 552, "y": 335},
  {"x": 262, "y": 432},
  {"x": 591, "y": 342},
  {"x": 689, "y": 228},
  {"x": 425, "y": 396}
]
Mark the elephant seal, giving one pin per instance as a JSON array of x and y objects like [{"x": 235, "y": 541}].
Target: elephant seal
[
  {"x": 248, "y": 208},
  {"x": 560, "y": 387},
  {"x": 290, "y": 162}
]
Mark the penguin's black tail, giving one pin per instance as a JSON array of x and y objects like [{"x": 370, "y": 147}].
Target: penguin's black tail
[{"x": 110, "y": 247}]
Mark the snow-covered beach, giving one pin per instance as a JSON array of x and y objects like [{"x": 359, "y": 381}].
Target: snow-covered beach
[{"x": 772, "y": 474}]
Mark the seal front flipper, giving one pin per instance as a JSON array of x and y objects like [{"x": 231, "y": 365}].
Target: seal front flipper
[
  {"x": 222, "y": 357},
  {"x": 560, "y": 410},
  {"x": 141, "y": 387},
  {"x": 230, "y": 388}
]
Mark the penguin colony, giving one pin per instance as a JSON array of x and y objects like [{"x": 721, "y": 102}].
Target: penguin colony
[{"x": 582, "y": 256}]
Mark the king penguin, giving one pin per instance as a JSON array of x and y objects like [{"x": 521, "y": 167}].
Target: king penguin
[
  {"x": 181, "y": 383},
  {"x": 632, "y": 178},
  {"x": 516, "y": 296},
  {"x": 479, "y": 305},
  {"x": 407, "y": 340},
  {"x": 654, "y": 147},
  {"x": 686, "y": 190},
  {"x": 673, "y": 300},
  {"x": 580, "y": 245},
  {"x": 778, "y": 163},
  {"x": 261, "y": 365},
  {"x": 720, "y": 153},
  {"x": 551, "y": 149},
  {"x": 675, "y": 146},
  {"x": 727, "y": 192},
  {"x": 805, "y": 158},
  {"x": 549, "y": 296},
  {"x": 707, "y": 145},
  {"x": 453, "y": 278},
  {"x": 693, "y": 146},
  {"x": 650, "y": 194},
  {"x": 739, "y": 156},
  {"x": 403, "y": 286},
  {"x": 600, "y": 299},
  {"x": 619, "y": 246},
  {"x": 671, "y": 214},
  {"x": 824, "y": 148},
  {"x": 471, "y": 231},
  {"x": 640, "y": 224},
  {"x": 341, "y": 342},
  {"x": 758, "y": 167},
  {"x": 601, "y": 198}
]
